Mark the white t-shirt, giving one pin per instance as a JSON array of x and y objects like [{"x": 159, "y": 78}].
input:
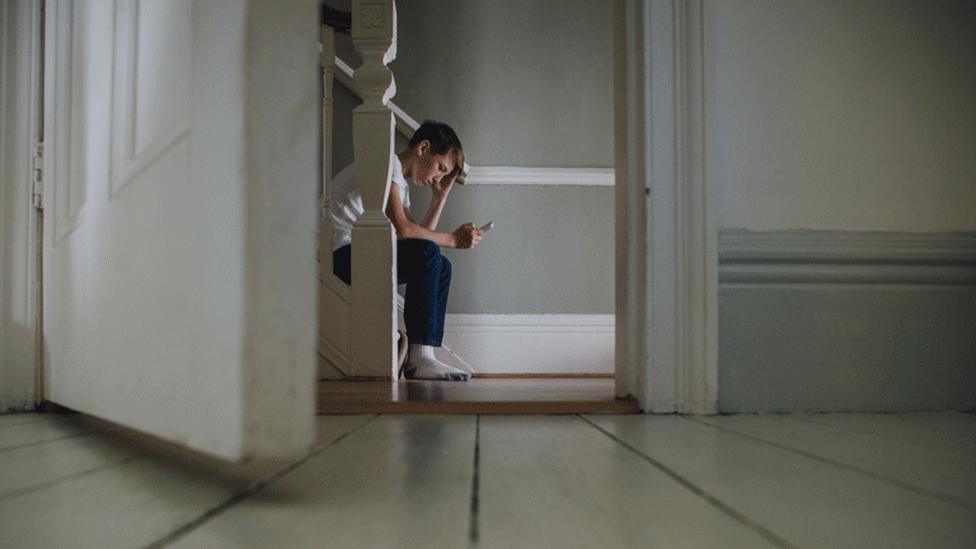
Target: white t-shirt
[{"x": 347, "y": 202}]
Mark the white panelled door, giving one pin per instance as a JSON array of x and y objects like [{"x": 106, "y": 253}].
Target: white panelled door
[{"x": 179, "y": 219}]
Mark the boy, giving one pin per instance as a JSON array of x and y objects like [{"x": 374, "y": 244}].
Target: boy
[{"x": 434, "y": 159}]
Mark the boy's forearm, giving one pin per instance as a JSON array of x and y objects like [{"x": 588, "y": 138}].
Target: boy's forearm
[
  {"x": 434, "y": 212},
  {"x": 412, "y": 230}
]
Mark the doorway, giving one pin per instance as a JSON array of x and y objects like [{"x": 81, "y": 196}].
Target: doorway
[
  {"x": 531, "y": 310},
  {"x": 665, "y": 251}
]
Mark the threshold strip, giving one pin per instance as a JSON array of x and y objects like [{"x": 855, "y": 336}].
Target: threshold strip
[
  {"x": 697, "y": 490},
  {"x": 256, "y": 487}
]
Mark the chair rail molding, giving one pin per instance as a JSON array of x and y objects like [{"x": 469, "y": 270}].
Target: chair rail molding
[
  {"x": 666, "y": 241},
  {"x": 508, "y": 175},
  {"x": 808, "y": 257},
  {"x": 483, "y": 175}
]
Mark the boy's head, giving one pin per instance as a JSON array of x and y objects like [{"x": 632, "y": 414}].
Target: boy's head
[{"x": 437, "y": 152}]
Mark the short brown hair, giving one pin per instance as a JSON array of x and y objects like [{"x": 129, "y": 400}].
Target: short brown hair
[{"x": 442, "y": 140}]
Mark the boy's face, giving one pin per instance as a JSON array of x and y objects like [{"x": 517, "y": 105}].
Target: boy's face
[{"x": 431, "y": 168}]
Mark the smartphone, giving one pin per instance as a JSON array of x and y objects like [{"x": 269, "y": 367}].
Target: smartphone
[{"x": 487, "y": 226}]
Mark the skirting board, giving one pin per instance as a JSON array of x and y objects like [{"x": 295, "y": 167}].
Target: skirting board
[
  {"x": 533, "y": 344},
  {"x": 846, "y": 321}
]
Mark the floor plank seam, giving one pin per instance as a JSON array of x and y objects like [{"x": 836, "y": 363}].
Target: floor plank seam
[
  {"x": 473, "y": 533},
  {"x": 253, "y": 489},
  {"x": 67, "y": 478},
  {"x": 854, "y": 430},
  {"x": 947, "y": 498},
  {"x": 45, "y": 441},
  {"x": 761, "y": 530}
]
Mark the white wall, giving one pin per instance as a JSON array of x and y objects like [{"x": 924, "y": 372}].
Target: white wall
[
  {"x": 523, "y": 83},
  {"x": 857, "y": 119},
  {"x": 852, "y": 115}
]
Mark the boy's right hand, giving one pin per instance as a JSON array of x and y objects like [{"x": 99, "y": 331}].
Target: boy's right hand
[{"x": 467, "y": 236}]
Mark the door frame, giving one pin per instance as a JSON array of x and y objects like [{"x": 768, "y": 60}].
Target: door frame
[
  {"x": 666, "y": 237},
  {"x": 21, "y": 24}
]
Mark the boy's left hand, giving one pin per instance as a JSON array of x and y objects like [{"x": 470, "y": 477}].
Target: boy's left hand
[{"x": 442, "y": 187}]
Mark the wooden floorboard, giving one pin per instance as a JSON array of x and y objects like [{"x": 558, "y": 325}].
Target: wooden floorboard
[
  {"x": 799, "y": 498},
  {"x": 949, "y": 432},
  {"x": 545, "y": 480},
  {"x": 945, "y": 475},
  {"x": 636, "y": 481},
  {"x": 45, "y": 429},
  {"x": 397, "y": 481},
  {"x": 478, "y": 396}
]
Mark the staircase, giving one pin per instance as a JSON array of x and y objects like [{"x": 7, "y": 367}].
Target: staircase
[{"x": 353, "y": 342}]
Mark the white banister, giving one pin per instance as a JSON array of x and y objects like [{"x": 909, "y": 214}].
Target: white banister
[
  {"x": 405, "y": 123},
  {"x": 373, "y": 295}
]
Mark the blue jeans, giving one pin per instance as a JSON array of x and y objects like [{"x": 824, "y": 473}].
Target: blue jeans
[{"x": 427, "y": 275}]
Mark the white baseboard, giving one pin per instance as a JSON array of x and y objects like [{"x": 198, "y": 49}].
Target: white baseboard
[
  {"x": 533, "y": 344},
  {"x": 846, "y": 321}
]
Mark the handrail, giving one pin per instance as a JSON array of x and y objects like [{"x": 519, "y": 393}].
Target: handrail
[
  {"x": 339, "y": 20},
  {"x": 405, "y": 123}
]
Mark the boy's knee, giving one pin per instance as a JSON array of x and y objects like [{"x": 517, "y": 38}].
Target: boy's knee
[
  {"x": 418, "y": 248},
  {"x": 418, "y": 256},
  {"x": 429, "y": 248}
]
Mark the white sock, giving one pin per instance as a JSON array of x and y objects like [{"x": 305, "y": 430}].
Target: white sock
[
  {"x": 421, "y": 364},
  {"x": 449, "y": 357}
]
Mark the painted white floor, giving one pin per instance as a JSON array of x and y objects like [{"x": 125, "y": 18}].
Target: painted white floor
[{"x": 826, "y": 480}]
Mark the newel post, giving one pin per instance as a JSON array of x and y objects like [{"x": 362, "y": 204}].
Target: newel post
[{"x": 373, "y": 311}]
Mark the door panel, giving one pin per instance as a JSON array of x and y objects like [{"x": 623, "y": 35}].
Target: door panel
[
  {"x": 150, "y": 261},
  {"x": 153, "y": 74}
]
